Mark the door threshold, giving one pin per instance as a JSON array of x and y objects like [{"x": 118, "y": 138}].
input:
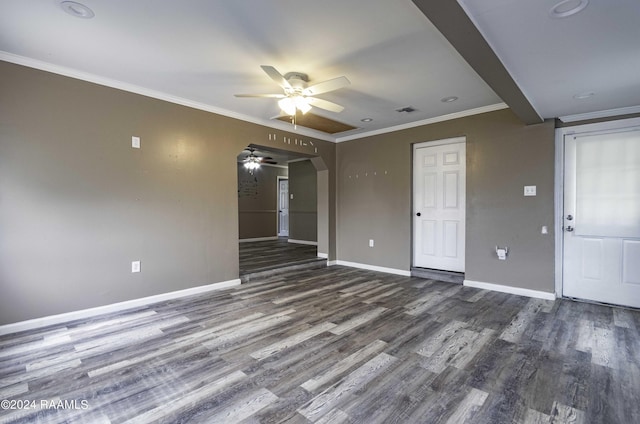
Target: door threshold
[
  {"x": 595, "y": 302},
  {"x": 438, "y": 274}
]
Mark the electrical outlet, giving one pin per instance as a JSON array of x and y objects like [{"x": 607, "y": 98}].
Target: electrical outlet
[
  {"x": 291, "y": 196},
  {"x": 529, "y": 190},
  {"x": 371, "y": 243},
  {"x": 135, "y": 266}
]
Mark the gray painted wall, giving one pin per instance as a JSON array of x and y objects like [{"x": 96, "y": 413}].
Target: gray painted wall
[
  {"x": 258, "y": 201},
  {"x": 303, "y": 208},
  {"x": 78, "y": 204},
  {"x": 503, "y": 155}
]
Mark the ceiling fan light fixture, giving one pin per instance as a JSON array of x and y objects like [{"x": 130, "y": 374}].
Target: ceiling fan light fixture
[
  {"x": 288, "y": 106},
  {"x": 251, "y": 163},
  {"x": 302, "y": 104}
]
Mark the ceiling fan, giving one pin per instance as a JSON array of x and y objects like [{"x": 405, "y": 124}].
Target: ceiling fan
[
  {"x": 298, "y": 95},
  {"x": 252, "y": 162}
]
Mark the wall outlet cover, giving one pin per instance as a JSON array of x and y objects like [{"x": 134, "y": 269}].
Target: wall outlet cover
[
  {"x": 529, "y": 190},
  {"x": 135, "y": 266}
]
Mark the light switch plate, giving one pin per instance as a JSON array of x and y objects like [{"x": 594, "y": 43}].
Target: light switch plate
[
  {"x": 135, "y": 142},
  {"x": 529, "y": 190},
  {"x": 135, "y": 266}
]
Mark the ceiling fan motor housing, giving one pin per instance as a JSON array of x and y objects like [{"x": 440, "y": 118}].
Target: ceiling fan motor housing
[{"x": 297, "y": 80}]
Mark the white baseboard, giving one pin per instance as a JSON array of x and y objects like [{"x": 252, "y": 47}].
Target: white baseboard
[
  {"x": 373, "y": 268},
  {"x": 114, "y": 307},
  {"x": 332, "y": 263},
  {"x": 323, "y": 255},
  {"x": 511, "y": 290},
  {"x": 247, "y": 240},
  {"x": 310, "y": 243}
]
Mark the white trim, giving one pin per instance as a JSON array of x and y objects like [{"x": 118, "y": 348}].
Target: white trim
[
  {"x": 559, "y": 211},
  {"x": 114, "y": 307},
  {"x": 374, "y": 268},
  {"x": 332, "y": 263},
  {"x": 454, "y": 140},
  {"x": 601, "y": 114},
  {"x": 249, "y": 240},
  {"x": 298, "y": 160},
  {"x": 310, "y": 243},
  {"x": 511, "y": 290},
  {"x": 323, "y": 255},
  {"x": 132, "y": 88},
  {"x": 448, "y": 117}
]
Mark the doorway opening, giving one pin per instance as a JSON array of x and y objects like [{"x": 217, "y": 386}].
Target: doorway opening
[
  {"x": 439, "y": 172},
  {"x": 278, "y": 212},
  {"x": 598, "y": 212}
]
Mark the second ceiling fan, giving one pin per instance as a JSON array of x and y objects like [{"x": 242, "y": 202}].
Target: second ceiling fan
[{"x": 298, "y": 95}]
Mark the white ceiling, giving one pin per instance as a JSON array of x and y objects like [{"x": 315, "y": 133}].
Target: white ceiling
[
  {"x": 202, "y": 52},
  {"x": 552, "y": 60}
]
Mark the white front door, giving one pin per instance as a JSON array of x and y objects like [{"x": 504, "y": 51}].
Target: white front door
[
  {"x": 601, "y": 257},
  {"x": 283, "y": 207},
  {"x": 439, "y": 205}
]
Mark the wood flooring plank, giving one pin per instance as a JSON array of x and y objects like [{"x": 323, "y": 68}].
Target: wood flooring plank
[
  {"x": 468, "y": 407},
  {"x": 358, "y": 320},
  {"x": 343, "y": 365},
  {"x": 331, "y": 397},
  {"x": 193, "y": 397},
  {"x": 292, "y": 340}
]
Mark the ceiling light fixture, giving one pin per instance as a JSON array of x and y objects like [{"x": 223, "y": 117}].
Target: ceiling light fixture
[
  {"x": 585, "y": 95},
  {"x": 367, "y": 119},
  {"x": 78, "y": 10},
  {"x": 293, "y": 103},
  {"x": 252, "y": 162},
  {"x": 567, "y": 8},
  {"x": 449, "y": 99}
]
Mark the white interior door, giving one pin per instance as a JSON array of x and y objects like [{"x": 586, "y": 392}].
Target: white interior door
[
  {"x": 283, "y": 207},
  {"x": 439, "y": 171},
  {"x": 601, "y": 257}
]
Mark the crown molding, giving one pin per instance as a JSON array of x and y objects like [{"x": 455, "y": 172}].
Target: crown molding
[
  {"x": 601, "y": 114},
  {"x": 132, "y": 88},
  {"x": 448, "y": 117}
]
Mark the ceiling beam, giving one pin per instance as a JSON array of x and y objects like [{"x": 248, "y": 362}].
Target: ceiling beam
[{"x": 452, "y": 21}]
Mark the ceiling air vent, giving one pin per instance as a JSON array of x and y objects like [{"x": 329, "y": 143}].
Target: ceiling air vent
[{"x": 407, "y": 109}]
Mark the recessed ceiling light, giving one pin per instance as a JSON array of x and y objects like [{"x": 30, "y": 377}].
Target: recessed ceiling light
[
  {"x": 449, "y": 99},
  {"x": 585, "y": 95},
  {"x": 77, "y": 9},
  {"x": 567, "y": 8},
  {"x": 367, "y": 119}
]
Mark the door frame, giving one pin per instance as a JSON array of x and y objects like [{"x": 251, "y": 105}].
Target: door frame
[
  {"x": 559, "y": 183},
  {"x": 434, "y": 143},
  {"x": 280, "y": 178}
]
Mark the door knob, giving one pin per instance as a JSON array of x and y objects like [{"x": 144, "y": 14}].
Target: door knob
[
  {"x": 418, "y": 214},
  {"x": 569, "y": 228},
  {"x": 569, "y": 217}
]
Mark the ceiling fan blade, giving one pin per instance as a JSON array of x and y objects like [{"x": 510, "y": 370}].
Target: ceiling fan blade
[
  {"x": 325, "y": 104},
  {"x": 276, "y": 76},
  {"x": 272, "y": 96},
  {"x": 326, "y": 86}
]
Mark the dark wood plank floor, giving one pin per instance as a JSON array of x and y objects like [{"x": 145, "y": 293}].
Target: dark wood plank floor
[
  {"x": 259, "y": 256},
  {"x": 332, "y": 345}
]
